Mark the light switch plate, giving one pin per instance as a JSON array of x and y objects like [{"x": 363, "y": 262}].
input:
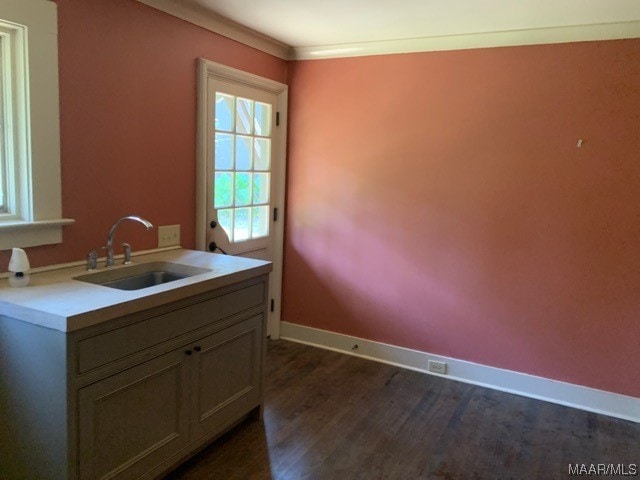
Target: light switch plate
[{"x": 168, "y": 235}]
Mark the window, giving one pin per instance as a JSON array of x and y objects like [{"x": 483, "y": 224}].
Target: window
[
  {"x": 3, "y": 162},
  {"x": 242, "y": 182},
  {"x": 30, "y": 191},
  {"x": 13, "y": 119}
]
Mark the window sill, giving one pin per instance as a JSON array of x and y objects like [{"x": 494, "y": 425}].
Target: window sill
[{"x": 31, "y": 234}]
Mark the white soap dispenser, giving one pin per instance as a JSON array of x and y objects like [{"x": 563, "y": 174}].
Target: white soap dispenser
[{"x": 19, "y": 268}]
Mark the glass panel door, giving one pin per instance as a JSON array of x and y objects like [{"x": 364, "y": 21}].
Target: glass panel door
[{"x": 242, "y": 151}]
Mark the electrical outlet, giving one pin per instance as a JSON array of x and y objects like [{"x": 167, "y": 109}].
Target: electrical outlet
[
  {"x": 437, "y": 367},
  {"x": 168, "y": 235}
]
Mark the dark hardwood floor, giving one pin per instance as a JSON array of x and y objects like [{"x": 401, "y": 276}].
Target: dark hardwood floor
[{"x": 332, "y": 416}]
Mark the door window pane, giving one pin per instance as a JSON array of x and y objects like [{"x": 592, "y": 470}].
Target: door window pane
[
  {"x": 262, "y": 121},
  {"x": 262, "y": 153},
  {"x": 243, "y": 189},
  {"x": 224, "y": 151},
  {"x": 244, "y": 115},
  {"x": 225, "y": 220},
  {"x": 241, "y": 224},
  {"x": 260, "y": 188},
  {"x": 224, "y": 112},
  {"x": 223, "y": 190},
  {"x": 243, "y": 153},
  {"x": 260, "y": 222}
]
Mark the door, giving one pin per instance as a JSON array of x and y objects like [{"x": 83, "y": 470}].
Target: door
[
  {"x": 242, "y": 154},
  {"x": 241, "y": 170}
]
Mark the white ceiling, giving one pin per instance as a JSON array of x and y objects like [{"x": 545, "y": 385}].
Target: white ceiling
[
  {"x": 325, "y": 28},
  {"x": 305, "y": 23}
]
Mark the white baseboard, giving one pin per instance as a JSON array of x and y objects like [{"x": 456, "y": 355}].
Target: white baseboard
[{"x": 562, "y": 393}]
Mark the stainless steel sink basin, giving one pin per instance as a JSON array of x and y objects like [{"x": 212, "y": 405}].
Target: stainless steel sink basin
[{"x": 136, "y": 277}]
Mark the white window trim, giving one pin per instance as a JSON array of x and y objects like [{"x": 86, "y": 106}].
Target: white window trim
[{"x": 33, "y": 29}]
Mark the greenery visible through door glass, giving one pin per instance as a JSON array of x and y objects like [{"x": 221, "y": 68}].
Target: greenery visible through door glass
[
  {"x": 243, "y": 189},
  {"x": 223, "y": 190},
  {"x": 260, "y": 188},
  {"x": 224, "y": 112}
]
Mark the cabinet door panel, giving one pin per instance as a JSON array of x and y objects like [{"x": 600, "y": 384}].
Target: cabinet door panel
[
  {"x": 132, "y": 421},
  {"x": 226, "y": 375}
]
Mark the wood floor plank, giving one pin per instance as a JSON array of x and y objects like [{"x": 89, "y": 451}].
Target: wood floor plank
[{"x": 332, "y": 416}]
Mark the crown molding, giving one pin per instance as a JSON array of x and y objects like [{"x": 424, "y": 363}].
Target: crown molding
[
  {"x": 536, "y": 36},
  {"x": 223, "y": 26}
]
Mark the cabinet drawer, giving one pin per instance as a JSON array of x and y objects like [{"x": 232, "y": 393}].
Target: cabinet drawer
[{"x": 107, "y": 347}]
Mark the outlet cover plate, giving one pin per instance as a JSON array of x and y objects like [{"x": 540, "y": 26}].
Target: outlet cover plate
[
  {"x": 437, "y": 367},
  {"x": 168, "y": 235}
]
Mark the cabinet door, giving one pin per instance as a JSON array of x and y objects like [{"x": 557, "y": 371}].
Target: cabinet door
[
  {"x": 132, "y": 421},
  {"x": 225, "y": 377}
]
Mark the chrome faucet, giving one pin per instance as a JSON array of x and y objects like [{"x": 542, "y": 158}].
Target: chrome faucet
[{"x": 110, "y": 260}]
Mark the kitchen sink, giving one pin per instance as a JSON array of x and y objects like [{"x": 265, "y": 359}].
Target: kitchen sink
[{"x": 145, "y": 275}]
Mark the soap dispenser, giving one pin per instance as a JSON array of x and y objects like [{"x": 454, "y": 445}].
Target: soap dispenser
[{"x": 19, "y": 268}]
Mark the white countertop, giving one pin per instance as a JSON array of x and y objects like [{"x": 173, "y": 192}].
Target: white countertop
[{"x": 55, "y": 300}]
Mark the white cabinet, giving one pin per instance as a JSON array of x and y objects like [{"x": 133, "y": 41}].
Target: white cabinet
[
  {"x": 130, "y": 422},
  {"x": 225, "y": 376},
  {"x": 141, "y": 393}
]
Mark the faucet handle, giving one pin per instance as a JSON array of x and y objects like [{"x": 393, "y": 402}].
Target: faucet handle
[
  {"x": 109, "y": 262},
  {"x": 92, "y": 260},
  {"x": 127, "y": 253}
]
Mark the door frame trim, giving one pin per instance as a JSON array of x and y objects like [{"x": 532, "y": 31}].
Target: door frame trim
[{"x": 206, "y": 70}]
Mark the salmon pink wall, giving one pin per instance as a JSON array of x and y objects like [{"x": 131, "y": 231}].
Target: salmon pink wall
[
  {"x": 128, "y": 120},
  {"x": 438, "y": 201}
]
